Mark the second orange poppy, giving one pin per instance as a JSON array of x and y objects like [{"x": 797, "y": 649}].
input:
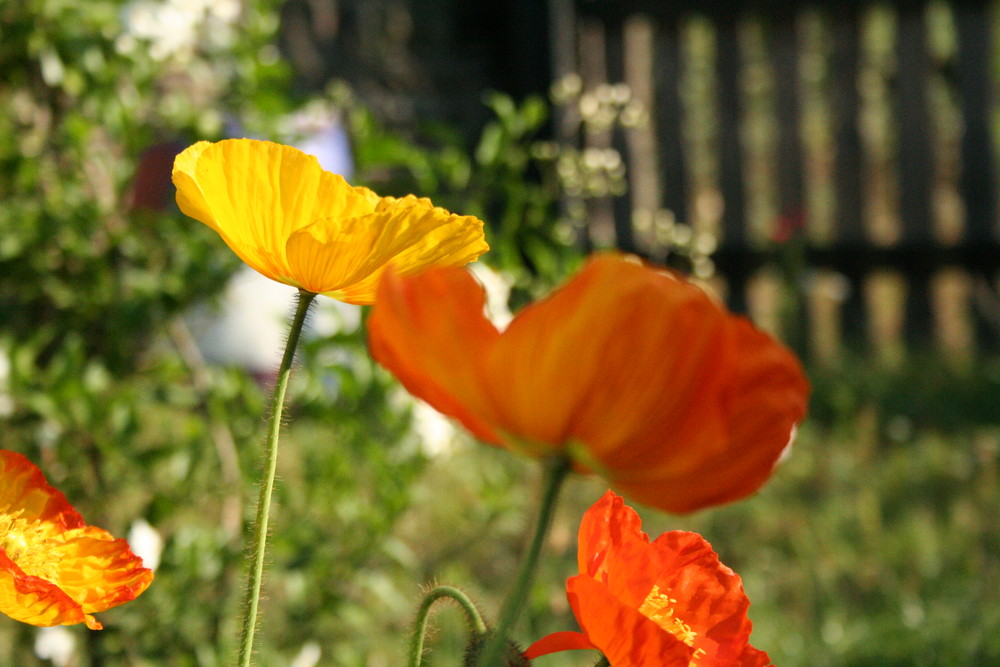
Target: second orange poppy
[{"x": 629, "y": 369}]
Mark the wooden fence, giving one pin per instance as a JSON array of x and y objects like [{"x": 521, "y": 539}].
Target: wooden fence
[{"x": 840, "y": 154}]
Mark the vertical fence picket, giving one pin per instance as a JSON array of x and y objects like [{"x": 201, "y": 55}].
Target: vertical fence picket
[
  {"x": 782, "y": 40},
  {"x": 729, "y": 150},
  {"x": 614, "y": 40},
  {"x": 591, "y": 52},
  {"x": 643, "y": 177},
  {"x": 783, "y": 44},
  {"x": 848, "y": 185},
  {"x": 915, "y": 158},
  {"x": 845, "y": 103},
  {"x": 667, "y": 118},
  {"x": 978, "y": 179}
]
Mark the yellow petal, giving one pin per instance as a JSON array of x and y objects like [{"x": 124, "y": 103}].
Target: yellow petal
[
  {"x": 189, "y": 196},
  {"x": 425, "y": 236},
  {"x": 346, "y": 259},
  {"x": 256, "y": 194}
]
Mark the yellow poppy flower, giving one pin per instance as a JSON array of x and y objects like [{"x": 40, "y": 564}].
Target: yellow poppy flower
[
  {"x": 54, "y": 568},
  {"x": 295, "y": 223}
]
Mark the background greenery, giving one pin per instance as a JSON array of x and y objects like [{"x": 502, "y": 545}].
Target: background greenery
[{"x": 876, "y": 543}]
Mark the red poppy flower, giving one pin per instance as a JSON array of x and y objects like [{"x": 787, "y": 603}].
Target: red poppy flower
[
  {"x": 54, "y": 568},
  {"x": 635, "y": 373},
  {"x": 669, "y": 602}
]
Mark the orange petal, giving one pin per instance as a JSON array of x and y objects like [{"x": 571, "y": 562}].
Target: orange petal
[
  {"x": 709, "y": 596},
  {"x": 660, "y": 336},
  {"x": 615, "y": 360},
  {"x": 558, "y": 641},
  {"x": 676, "y": 582},
  {"x": 99, "y": 571},
  {"x": 25, "y": 490},
  {"x": 54, "y": 569},
  {"x": 594, "y": 540},
  {"x": 33, "y": 600},
  {"x": 550, "y": 367},
  {"x": 431, "y": 333},
  {"x": 625, "y": 636},
  {"x": 636, "y": 366},
  {"x": 764, "y": 396},
  {"x": 752, "y": 657}
]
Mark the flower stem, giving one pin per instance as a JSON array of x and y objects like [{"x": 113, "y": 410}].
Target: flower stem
[
  {"x": 267, "y": 483},
  {"x": 556, "y": 470},
  {"x": 476, "y": 624},
  {"x": 603, "y": 662}
]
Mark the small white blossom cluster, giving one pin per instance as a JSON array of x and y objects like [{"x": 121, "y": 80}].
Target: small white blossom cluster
[{"x": 176, "y": 29}]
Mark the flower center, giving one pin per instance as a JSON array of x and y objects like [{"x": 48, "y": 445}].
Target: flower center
[
  {"x": 659, "y": 608},
  {"x": 24, "y": 543}
]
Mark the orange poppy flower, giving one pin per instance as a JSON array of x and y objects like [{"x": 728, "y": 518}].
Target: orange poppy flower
[
  {"x": 630, "y": 370},
  {"x": 54, "y": 568},
  {"x": 669, "y": 602},
  {"x": 295, "y": 223}
]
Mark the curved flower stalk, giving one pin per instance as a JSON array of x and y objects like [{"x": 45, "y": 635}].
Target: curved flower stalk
[
  {"x": 666, "y": 602},
  {"x": 54, "y": 568},
  {"x": 628, "y": 370},
  {"x": 295, "y": 223}
]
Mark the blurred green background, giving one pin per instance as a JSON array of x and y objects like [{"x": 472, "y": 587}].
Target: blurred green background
[{"x": 877, "y": 542}]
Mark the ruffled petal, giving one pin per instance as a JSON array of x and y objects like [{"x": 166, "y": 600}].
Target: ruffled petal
[
  {"x": 675, "y": 584},
  {"x": 432, "y": 333},
  {"x": 346, "y": 261},
  {"x": 752, "y": 657},
  {"x": 613, "y": 550},
  {"x": 97, "y": 570},
  {"x": 25, "y": 492},
  {"x": 625, "y": 636},
  {"x": 708, "y": 596},
  {"x": 55, "y": 569},
  {"x": 256, "y": 194},
  {"x": 35, "y": 601}
]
